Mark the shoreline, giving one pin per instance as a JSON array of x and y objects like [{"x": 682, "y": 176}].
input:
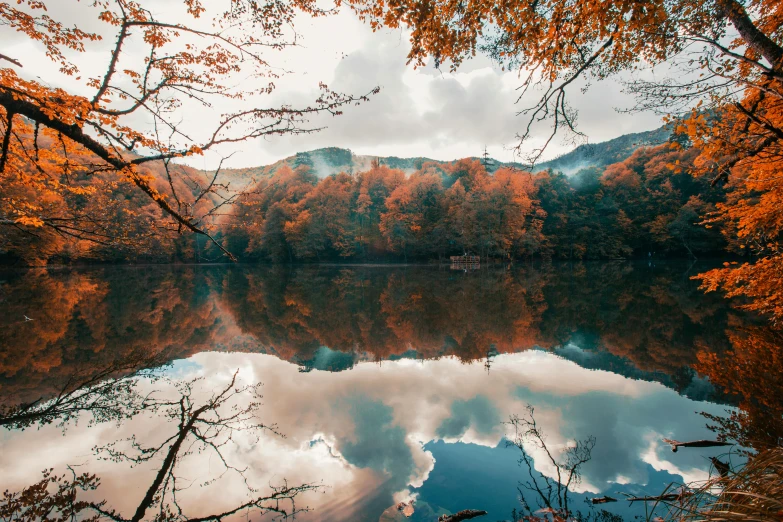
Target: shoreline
[{"x": 392, "y": 264}]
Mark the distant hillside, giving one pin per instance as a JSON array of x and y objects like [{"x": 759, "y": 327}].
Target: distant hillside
[
  {"x": 332, "y": 160},
  {"x": 606, "y": 152},
  {"x": 328, "y": 161}
]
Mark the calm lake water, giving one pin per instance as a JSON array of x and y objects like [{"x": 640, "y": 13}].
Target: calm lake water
[{"x": 381, "y": 384}]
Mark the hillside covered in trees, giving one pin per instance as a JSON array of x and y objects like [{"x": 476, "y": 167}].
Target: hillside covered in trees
[
  {"x": 639, "y": 205},
  {"x": 334, "y": 160},
  {"x": 422, "y": 210}
]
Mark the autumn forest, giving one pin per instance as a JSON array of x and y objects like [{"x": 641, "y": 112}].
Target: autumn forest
[
  {"x": 644, "y": 204},
  {"x": 631, "y": 208},
  {"x": 188, "y": 336}
]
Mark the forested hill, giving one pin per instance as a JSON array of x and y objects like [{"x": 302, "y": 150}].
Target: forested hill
[
  {"x": 328, "y": 161},
  {"x": 606, "y": 152},
  {"x": 388, "y": 209},
  {"x": 333, "y": 160}
]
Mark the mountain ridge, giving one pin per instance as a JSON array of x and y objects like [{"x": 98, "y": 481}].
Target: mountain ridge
[{"x": 327, "y": 161}]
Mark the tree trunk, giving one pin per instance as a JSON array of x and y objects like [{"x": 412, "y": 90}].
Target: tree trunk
[
  {"x": 756, "y": 40},
  {"x": 168, "y": 462}
]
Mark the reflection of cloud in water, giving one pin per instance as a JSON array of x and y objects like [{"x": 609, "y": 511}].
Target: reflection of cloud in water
[
  {"x": 477, "y": 413},
  {"x": 375, "y": 419},
  {"x": 377, "y": 443},
  {"x": 627, "y": 429}
]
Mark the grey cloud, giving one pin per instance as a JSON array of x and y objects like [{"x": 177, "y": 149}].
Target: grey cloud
[
  {"x": 378, "y": 444},
  {"x": 392, "y": 117},
  {"x": 388, "y": 117},
  {"x": 478, "y": 113},
  {"x": 461, "y": 117},
  {"x": 478, "y": 412},
  {"x": 370, "y": 414},
  {"x": 460, "y": 120}
]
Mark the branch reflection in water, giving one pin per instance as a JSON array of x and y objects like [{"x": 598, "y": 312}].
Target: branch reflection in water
[
  {"x": 201, "y": 422},
  {"x": 375, "y": 435}
]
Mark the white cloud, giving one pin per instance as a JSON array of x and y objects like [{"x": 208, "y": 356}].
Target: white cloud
[{"x": 419, "y": 112}]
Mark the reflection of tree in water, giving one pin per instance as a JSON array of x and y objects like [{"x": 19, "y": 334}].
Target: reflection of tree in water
[
  {"x": 83, "y": 320},
  {"x": 90, "y": 329},
  {"x": 383, "y": 313},
  {"x": 107, "y": 393},
  {"x": 550, "y": 494},
  {"x": 652, "y": 318},
  {"x": 208, "y": 426},
  {"x": 741, "y": 491},
  {"x": 751, "y": 371}
]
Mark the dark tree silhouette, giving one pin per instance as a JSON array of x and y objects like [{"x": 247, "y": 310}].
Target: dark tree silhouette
[
  {"x": 551, "y": 494},
  {"x": 108, "y": 393}
]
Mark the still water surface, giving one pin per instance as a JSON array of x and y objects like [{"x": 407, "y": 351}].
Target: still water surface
[{"x": 380, "y": 384}]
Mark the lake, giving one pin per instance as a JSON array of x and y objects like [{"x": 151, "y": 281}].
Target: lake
[{"x": 373, "y": 384}]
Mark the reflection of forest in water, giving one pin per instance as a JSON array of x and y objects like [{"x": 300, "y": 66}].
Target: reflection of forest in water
[
  {"x": 65, "y": 331},
  {"x": 645, "y": 322}
]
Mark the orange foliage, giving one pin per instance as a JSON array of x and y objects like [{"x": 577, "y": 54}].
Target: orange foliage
[
  {"x": 750, "y": 160},
  {"x": 724, "y": 94},
  {"x": 413, "y": 210},
  {"x": 79, "y": 322},
  {"x": 88, "y": 320},
  {"x": 462, "y": 208},
  {"x": 752, "y": 371},
  {"x": 65, "y": 156}
]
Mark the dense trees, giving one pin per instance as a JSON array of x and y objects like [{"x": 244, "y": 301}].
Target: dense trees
[
  {"x": 80, "y": 142},
  {"x": 718, "y": 68},
  {"x": 375, "y": 187},
  {"x": 640, "y": 205},
  {"x": 413, "y": 211},
  {"x": 646, "y": 203},
  {"x": 492, "y": 215}
]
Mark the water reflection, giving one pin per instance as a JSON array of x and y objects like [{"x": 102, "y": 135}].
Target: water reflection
[
  {"x": 622, "y": 347},
  {"x": 365, "y": 432},
  {"x": 629, "y": 318}
]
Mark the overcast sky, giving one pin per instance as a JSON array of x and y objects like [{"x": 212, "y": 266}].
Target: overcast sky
[
  {"x": 422, "y": 112},
  {"x": 418, "y": 112}
]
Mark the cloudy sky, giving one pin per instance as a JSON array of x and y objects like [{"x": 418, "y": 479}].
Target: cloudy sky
[
  {"x": 418, "y": 112},
  {"x": 426, "y": 112}
]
